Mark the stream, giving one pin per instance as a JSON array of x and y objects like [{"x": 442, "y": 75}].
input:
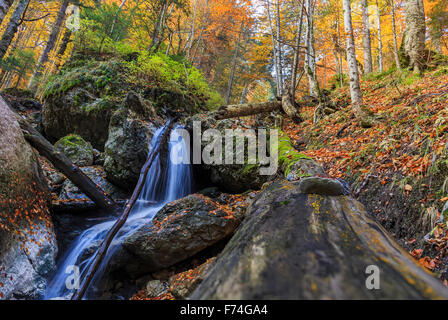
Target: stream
[{"x": 165, "y": 182}]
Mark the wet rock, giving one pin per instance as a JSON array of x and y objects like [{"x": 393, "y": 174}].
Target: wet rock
[
  {"x": 27, "y": 241},
  {"x": 180, "y": 230},
  {"x": 98, "y": 176},
  {"x": 79, "y": 151},
  {"x": 232, "y": 178},
  {"x": 322, "y": 186},
  {"x": 126, "y": 149}
]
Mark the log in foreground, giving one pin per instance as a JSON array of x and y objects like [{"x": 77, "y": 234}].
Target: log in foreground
[
  {"x": 101, "y": 252},
  {"x": 298, "y": 245},
  {"x": 294, "y": 245},
  {"x": 66, "y": 166}
]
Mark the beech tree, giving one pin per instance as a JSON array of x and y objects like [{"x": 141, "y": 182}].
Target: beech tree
[
  {"x": 415, "y": 30},
  {"x": 4, "y": 8},
  {"x": 355, "y": 88},
  {"x": 51, "y": 42},
  {"x": 310, "y": 54},
  {"x": 366, "y": 43},
  {"x": 12, "y": 27}
]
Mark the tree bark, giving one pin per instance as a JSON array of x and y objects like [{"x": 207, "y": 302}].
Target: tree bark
[
  {"x": 394, "y": 33},
  {"x": 101, "y": 252},
  {"x": 4, "y": 8},
  {"x": 12, "y": 27},
  {"x": 66, "y": 166},
  {"x": 111, "y": 32},
  {"x": 35, "y": 79},
  {"x": 279, "y": 46},
  {"x": 274, "y": 48},
  {"x": 295, "y": 66},
  {"x": 310, "y": 54},
  {"x": 243, "y": 110},
  {"x": 355, "y": 89},
  {"x": 232, "y": 72},
  {"x": 366, "y": 43},
  {"x": 380, "y": 42},
  {"x": 415, "y": 30}
]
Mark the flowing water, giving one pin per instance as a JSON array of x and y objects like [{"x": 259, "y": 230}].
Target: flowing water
[{"x": 165, "y": 182}]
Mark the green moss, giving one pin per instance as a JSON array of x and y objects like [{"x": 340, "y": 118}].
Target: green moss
[
  {"x": 288, "y": 155},
  {"x": 73, "y": 140}
]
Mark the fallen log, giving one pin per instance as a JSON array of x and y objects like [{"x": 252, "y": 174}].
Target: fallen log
[
  {"x": 66, "y": 166},
  {"x": 314, "y": 242},
  {"x": 243, "y": 110},
  {"x": 101, "y": 252}
]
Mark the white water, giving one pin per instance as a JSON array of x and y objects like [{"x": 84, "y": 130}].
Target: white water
[{"x": 164, "y": 183}]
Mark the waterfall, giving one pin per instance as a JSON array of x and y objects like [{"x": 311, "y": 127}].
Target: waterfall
[{"x": 165, "y": 182}]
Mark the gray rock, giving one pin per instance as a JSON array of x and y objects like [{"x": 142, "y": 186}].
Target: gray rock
[
  {"x": 156, "y": 288},
  {"x": 236, "y": 178},
  {"x": 127, "y": 148},
  {"x": 322, "y": 186},
  {"x": 71, "y": 192},
  {"x": 179, "y": 231},
  {"x": 79, "y": 151},
  {"x": 27, "y": 241}
]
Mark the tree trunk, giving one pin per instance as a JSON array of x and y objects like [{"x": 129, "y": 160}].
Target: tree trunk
[
  {"x": 13, "y": 25},
  {"x": 394, "y": 33},
  {"x": 274, "y": 48},
  {"x": 279, "y": 46},
  {"x": 366, "y": 43},
  {"x": 310, "y": 54},
  {"x": 4, "y": 8},
  {"x": 111, "y": 32},
  {"x": 64, "y": 164},
  {"x": 243, "y": 110},
  {"x": 380, "y": 42},
  {"x": 415, "y": 31},
  {"x": 295, "y": 66},
  {"x": 35, "y": 79},
  {"x": 355, "y": 89},
  {"x": 63, "y": 47},
  {"x": 287, "y": 105},
  {"x": 232, "y": 72}
]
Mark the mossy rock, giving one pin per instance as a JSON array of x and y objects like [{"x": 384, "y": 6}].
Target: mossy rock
[{"x": 76, "y": 149}]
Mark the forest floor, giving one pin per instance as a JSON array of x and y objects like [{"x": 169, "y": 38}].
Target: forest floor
[{"x": 399, "y": 167}]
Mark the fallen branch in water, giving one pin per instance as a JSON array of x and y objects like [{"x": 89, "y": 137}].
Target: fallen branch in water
[{"x": 101, "y": 253}]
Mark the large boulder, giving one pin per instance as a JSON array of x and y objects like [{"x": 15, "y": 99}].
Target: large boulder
[
  {"x": 180, "y": 230},
  {"x": 81, "y": 100},
  {"x": 76, "y": 149},
  {"x": 27, "y": 241},
  {"x": 232, "y": 178},
  {"x": 131, "y": 130}
]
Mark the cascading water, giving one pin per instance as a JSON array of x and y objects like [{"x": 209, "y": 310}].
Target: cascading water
[{"x": 165, "y": 182}]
